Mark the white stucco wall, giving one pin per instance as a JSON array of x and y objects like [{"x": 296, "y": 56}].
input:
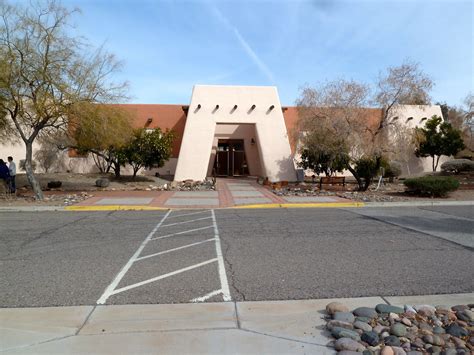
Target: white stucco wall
[
  {"x": 412, "y": 116},
  {"x": 271, "y": 135}
]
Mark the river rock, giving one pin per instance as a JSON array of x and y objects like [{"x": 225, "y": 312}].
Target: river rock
[
  {"x": 406, "y": 321},
  {"x": 459, "y": 308},
  {"x": 370, "y": 338},
  {"x": 344, "y": 317},
  {"x": 387, "y": 350},
  {"x": 337, "y": 323},
  {"x": 414, "y": 352},
  {"x": 439, "y": 330},
  {"x": 425, "y": 310},
  {"x": 379, "y": 328},
  {"x": 398, "y": 329},
  {"x": 365, "y": 312},
  {"x": 363, "y": 319},
  {"x": 386, "y": 308},
  {"x": 334, "y": 307},
  {"x": 457, "y": 331},
  {"x": 339, "y": 332},
  {"x": 348, "y": 352},
  {"x": 466, "y": 315},
  {"x": 433, "y": 339},
  {"x": 398, "y": 350},
  {"x": 361, "y": 325},
  {"x": 409, "y": 309},
  {"x": 449, "y": 351},
  {"x": 348, "y": 344},
  {"x": 392, "y": 340}
]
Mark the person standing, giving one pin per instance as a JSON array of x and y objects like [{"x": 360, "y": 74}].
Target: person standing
[
  {"x": 4, "y": 174},
  {"x": 12, "y": 170}
]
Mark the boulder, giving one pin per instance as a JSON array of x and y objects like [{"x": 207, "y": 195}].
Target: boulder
[{"x": 102, "y": 182}]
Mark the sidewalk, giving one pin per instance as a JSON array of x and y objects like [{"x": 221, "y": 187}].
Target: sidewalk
[
  {"x": 242, "y": 193},
  {"x": 283, "y": 327}
]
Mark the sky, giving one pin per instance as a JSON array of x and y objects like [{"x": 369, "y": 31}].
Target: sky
[{"x": 168, "y": 46}]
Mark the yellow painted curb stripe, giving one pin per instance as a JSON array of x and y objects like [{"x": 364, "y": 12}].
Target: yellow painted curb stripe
[
  {"x": 304, "y": 205},
  {"x": 115, "y": 208}
]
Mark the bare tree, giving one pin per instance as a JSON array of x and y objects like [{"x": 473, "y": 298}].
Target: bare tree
[
  {"x": 406, "y": 84},
  {"x": 46, "y": 71},
  {"x": 402, "y": 144},
  {"x": 338, "y": 110}
]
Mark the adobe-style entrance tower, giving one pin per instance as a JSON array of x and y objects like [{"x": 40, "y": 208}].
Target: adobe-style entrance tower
[{"x": 255, "y": 105}]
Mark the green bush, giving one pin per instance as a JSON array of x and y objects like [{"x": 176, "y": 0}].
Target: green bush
[
  {"x": 392, "y": 170},
  {"x": 432, "y": 185}
]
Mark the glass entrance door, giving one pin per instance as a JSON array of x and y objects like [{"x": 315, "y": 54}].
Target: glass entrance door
[{"x": 230, "y": 158}]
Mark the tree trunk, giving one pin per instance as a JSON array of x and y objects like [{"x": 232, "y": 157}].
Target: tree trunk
[
  {"x": 29, "y": 172},
  {"x": 433, "y": 163},
  {"x": 437, "y": 161},
  {"x": 116, "y": 167},
  {"x": 357, "y": 177}
]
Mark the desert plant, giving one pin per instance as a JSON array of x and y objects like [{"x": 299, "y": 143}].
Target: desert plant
[
  {"x": 392, "y": 170},
  {"x": 435, "y": 186},
  {"x": 457, "y": 166}
]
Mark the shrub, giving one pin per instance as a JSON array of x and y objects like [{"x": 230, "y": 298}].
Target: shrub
[
  {"x": 457, "y": 165},
  {"x": 432, "y": 185},
  {"x": 392, "y": 170}
]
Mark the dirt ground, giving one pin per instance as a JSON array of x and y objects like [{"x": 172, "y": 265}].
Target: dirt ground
[{"x": 78, "y": 187}]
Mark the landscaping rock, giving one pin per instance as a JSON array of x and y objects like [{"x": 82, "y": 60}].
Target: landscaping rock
[
  {"x": 457, "y": 331},
  {"x": 339, "y": 332},
  {"x": 387, "y": 350},
  {"x": 466, "y": 315},
  {"x": 398, "y": 330},
  {"x": 337, "y": 323},
  {"x": 102, "y": 182},
  {"x": 386, "y": 308},
  {"x": 334, "y": 307},
  {"x": 392, "y": 340},
  {"x": 361, "y": 325},
  {"x": 348, "y": 344},
  {"x": 365, "y": 312},
  {"x": 344, "y": 317},
  {"x": 370, "y": 338}
]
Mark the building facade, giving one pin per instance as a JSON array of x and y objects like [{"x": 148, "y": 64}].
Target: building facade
[{"x": 230, "y": 131}]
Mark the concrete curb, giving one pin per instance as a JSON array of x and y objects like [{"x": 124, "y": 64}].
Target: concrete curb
[
  {"x": 30, "y": 208},
  {"x": 302, "y": 205},
  {"x": 96, "y": 208},
  {"x": 419, "y": 203},
  {"x": 115, "y": 208}
]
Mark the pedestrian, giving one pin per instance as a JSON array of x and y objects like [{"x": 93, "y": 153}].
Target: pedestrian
[
  {"x": 4, "y": 174},
  {"x": 12, "y": 170}
]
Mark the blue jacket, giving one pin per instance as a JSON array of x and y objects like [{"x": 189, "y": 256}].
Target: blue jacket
[{"x": 4, "y": 172}]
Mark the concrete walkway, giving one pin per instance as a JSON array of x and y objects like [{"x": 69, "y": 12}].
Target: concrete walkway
[
  {"x": 282, "y": 327},
  {"x": 229, "y": 193}
]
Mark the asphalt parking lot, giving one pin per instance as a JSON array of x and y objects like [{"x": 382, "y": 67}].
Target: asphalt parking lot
[{"x": 85, "y": 258}]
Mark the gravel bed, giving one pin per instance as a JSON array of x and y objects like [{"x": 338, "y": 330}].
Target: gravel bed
[{"x": 392, "y": 330}]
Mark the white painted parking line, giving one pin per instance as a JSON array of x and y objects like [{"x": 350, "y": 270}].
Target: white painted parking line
[
  {"x": 220, "y": 262},
  {"x": 184, "y": 232},
  {"x": 190, "y": 221},
  {"x": 110, "y": 289},
  {"x": 188, "y": 214},
  {"x": 206, "y": 297},
  {"x": 174, "y": 249},
  {"x": 138, "y": 284},
  {"x": 224, "y": 289}
]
